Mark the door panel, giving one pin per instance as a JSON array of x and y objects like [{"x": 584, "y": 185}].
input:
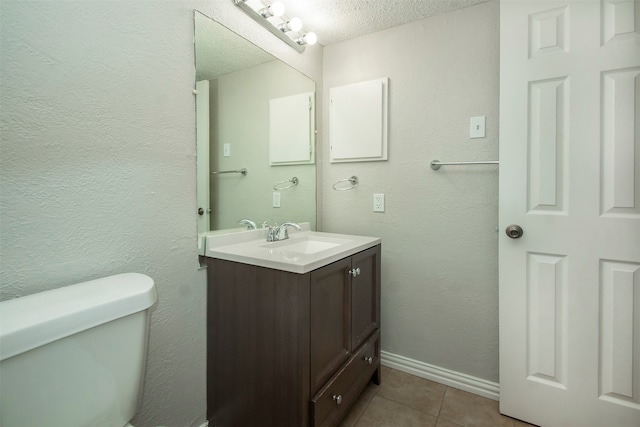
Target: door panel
[
  {"x": 570, "y": 177},
  {"x": 548, "y": 145},
  {"x": 547, "y": 319},
  {"x": 620, "y": 319},
  {"x": 620, "y": 154}
]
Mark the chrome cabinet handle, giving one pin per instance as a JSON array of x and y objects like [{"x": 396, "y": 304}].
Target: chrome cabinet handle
[
  {"x": 355, "y": 272},
  {"x": 337, "y": 398},
  {"x": 369, "y": 360}
]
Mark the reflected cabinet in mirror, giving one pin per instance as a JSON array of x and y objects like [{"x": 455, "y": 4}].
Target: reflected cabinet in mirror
[{"x": 255, "y": 131}]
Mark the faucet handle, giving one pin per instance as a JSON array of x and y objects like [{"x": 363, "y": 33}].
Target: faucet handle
[
  {"x": 265, "y": 224},
  {"x": 272, "y": 232}
]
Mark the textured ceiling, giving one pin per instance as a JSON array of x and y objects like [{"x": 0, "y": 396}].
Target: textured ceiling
[
  {"x": 214, "y": 41},
  {"x": 332, "y": 20},
  {"x": 337, "y": 20}
]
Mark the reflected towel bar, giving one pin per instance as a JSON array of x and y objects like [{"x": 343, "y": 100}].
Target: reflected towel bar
[
  {"x": 435, "y": 164},
  {"x": 243, "y": 171}
]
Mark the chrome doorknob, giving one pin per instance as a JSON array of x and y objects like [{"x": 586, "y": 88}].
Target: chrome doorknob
[
  {"x": 514, "y": 231},
  {"x": 369, "y": 360},
  {"x": 200, "y": 211},
  {"x": 355, "y": 272},
  {"x": 337, "y": 398}
]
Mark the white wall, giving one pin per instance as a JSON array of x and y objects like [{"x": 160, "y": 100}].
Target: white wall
[
  {"x": 439, "y": 261},
  {"x": 97, "y": 165}
]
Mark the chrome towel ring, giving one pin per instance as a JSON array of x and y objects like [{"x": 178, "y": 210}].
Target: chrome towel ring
[
  {"x": 353, "y": 180},
  {"x": 292, "y": 182}
]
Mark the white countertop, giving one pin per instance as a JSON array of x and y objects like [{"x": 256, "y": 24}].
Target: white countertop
[{"x": 304, "y": 251}]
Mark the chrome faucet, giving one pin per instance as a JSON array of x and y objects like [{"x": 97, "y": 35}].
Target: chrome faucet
[
  {"x": 250, "y": 224},
  {"x": 280, "y": 232}
]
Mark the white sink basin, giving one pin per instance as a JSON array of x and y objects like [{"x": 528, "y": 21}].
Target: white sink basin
[
  {"x": 302, "y": 252},
  {"x": 306, "y": 244}
]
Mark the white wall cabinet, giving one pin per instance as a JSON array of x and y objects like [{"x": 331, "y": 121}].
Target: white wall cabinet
[{"x": 358, "y": 121}]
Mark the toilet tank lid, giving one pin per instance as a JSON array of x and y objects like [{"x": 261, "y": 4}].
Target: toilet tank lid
[{"x": 38, "y": 319}]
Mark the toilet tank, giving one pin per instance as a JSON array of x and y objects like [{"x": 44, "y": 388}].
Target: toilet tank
[{"x": 75, "y": 356}]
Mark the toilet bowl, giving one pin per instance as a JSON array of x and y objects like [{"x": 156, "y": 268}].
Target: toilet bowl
[{"x": 75, "y": 356}]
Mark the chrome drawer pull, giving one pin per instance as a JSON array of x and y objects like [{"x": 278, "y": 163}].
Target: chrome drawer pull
[
  {"x": 337, "y": 398},
  {"x": 355, "y": 272}
]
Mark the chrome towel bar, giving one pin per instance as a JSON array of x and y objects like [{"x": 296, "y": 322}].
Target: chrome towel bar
[
  {"x": 243, "y": 171},
  {"x": 436, "y": 164}
]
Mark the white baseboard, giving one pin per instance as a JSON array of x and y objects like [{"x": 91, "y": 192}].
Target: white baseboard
[{"x": 444, "y": 376}]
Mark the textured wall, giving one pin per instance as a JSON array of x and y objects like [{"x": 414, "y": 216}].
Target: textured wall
[
  {"x": 440, "y": 262},
  {"x": 97, "y": 166}
]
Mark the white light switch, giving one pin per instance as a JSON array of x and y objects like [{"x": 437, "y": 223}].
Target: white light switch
[
  {"x": 476, "y": 127},
  {"x": 226, "y": 150},
  {"x": 276, "y": 200}
]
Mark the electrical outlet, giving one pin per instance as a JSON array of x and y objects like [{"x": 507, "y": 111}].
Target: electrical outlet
[
  {"x": 226, "y": 150},
  {"x": 378, "y": 202},
  {"x": 276, "y": 200}
]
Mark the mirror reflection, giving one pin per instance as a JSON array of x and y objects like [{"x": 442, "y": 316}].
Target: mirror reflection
[{"x": 255, "y": 131}]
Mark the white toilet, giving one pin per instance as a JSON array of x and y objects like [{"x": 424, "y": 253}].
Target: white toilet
[{"x": 75, "y": 356}]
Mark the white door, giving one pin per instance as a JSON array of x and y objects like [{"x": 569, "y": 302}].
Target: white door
[
  {"x": 570, "y": 177},
  {"x": 202, "y": 155}
]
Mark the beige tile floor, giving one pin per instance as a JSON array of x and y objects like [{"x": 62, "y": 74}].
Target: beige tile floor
[{"x": 404, "y": 400}]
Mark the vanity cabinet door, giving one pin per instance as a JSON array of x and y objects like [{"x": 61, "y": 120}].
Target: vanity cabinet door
[
  {"x": 365, "y": 295},
  {"x": 329, "y": 321},
  {"x": 257, "y": 346}
]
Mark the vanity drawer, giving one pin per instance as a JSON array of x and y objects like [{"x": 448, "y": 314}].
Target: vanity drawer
[{"x": 335, "y": 398}]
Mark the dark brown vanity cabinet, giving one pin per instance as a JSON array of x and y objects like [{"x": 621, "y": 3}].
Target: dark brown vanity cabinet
[{"x": 288, "y": 349}]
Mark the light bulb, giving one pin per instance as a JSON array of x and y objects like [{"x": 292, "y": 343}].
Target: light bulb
[
  {"x": 295, "y": 24},
  {"x": 276, "y": 8},
  {"x": 310, "y": 38}
]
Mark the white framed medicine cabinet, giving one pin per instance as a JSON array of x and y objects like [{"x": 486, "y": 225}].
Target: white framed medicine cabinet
[{"x": 358, "y": 121}]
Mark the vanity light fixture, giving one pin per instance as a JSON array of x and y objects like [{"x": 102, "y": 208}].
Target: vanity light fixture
[{"x": 272, "y": 17}]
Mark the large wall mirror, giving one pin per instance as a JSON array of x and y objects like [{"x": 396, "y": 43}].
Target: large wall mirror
[{"x": 255, "y": 131}]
